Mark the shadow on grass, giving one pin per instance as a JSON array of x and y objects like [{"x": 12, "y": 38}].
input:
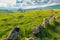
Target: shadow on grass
[
  {"x": 44, "y": 34},
  {"x": 52, "y": 27},
  {"x": 57, "y": 23}
]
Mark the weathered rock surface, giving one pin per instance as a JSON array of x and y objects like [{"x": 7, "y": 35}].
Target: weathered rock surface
[
  {"x": 45, "y": 22},
  {"x": 51, "y": 19},
  {"x": 36, "y": 30},
  {"x": 13, "y": 34}
]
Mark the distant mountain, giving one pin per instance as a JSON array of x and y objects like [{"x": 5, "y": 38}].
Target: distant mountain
[{"x": 54, "y": 7}]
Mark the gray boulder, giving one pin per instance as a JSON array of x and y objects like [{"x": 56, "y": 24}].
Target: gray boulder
[
  {"x": 36, "y": 30},
  {"x": 13, "y": 34}
]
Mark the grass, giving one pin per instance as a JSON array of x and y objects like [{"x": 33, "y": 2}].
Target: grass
[{"x": 30, "y": 19}]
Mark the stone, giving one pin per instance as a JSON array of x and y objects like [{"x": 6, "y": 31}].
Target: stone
[
  {"x": 45, "y": 22},
  {"x": 30, "y": 38},
  {"x": 36, "y": 30},
  {"x": 26, "y": 38},
  {"x": 52, "y": 19},
  {"x": 13, "y": 34}
]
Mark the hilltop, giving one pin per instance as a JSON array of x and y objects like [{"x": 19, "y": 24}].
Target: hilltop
[{"x": 26, "y": 21}]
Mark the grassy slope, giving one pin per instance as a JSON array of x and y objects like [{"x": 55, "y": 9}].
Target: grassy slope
[{"x": 31, "y": 19}]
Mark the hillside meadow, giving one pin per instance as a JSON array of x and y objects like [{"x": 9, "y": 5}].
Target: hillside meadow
[{"x": 26, "y": 21}]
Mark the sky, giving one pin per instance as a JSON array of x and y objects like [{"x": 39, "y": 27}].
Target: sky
[
  {"x": 28, "y": 4},
  {"x": 7, "y": 3}
]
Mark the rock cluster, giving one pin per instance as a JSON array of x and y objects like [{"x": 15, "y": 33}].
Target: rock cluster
[
  {"x": 35, "y": 30},
  {"x": 49, "y": 20}
]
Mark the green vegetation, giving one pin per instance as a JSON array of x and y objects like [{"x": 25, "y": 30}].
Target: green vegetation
[{"x": 27, "y": 20}]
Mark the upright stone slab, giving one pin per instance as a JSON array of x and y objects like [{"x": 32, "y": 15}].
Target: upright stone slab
[
  {"x": 13, "y": 34},
  {"x": 36, "y": 30},
  {"x": 45, "y": 22},
  {"x": 51, "y": 18}
]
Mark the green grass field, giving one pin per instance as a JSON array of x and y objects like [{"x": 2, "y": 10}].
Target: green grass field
[{"x": 27, "y": 20}]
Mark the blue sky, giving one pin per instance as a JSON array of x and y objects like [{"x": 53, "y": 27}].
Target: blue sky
[{"x": 28, "y": 4}]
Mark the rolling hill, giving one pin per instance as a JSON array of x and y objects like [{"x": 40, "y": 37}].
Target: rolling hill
[{"x": 26, "y": 21}]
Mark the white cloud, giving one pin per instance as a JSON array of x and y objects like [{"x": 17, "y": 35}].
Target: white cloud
[
  {"x": 40, "y": 6},
  {"x": 49, "y": 3},
  {"x": 24, "y": 4},
  {"x": 7, "y": 3}
]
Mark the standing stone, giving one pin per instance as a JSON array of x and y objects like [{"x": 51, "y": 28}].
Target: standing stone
[
  {"x": 45, "y": 22},
  {"x": 36, "y": 30},
  {"x": 13, "y": 34},
  {"x": 51, "y": 19}
]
